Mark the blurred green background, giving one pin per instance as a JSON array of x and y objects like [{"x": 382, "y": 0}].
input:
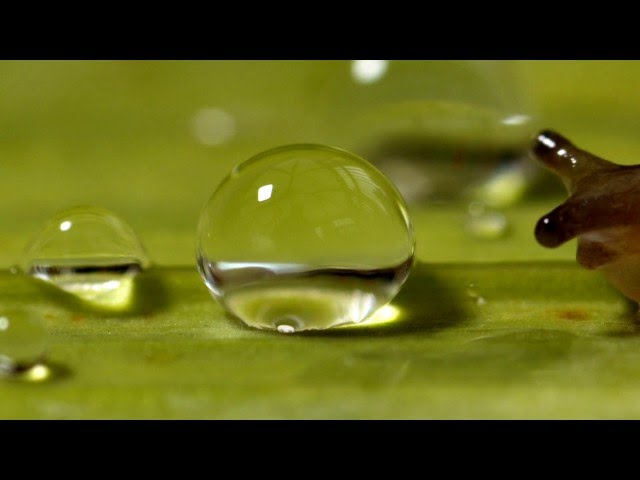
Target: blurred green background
[
  {"x": 151, "y": 141},
  {"x": 132, "y": 135}
]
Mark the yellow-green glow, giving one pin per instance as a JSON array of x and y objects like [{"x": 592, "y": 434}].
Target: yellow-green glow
[
  {"x": 385, "y": 315},
  {"x": 112, "y": 292}
]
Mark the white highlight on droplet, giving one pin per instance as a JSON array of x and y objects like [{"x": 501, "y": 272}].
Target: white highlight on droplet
[
  {"x": 4, "y": 323},
  {"x": 264, "y": 192},
  {"x": 517, "y": 119},
  {"x": 368, "y": 71},
  {"x": 213, "y": 126},
  {"x": 65, "y": 226}
]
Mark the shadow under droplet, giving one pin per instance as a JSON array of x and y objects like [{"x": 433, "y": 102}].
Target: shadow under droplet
[
  {"x": 424, "y": 305},
  {"x": 44, "y": 372},
  {"x": 148, "y": 294}
]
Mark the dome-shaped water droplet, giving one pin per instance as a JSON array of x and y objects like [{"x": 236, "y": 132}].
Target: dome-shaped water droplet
[
  {"x": 305, "y": 237},
  {"x": 23, "y": 340},
  {"x": 88, "y": 252}
]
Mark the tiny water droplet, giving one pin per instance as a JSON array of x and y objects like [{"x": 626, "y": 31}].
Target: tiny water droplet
[
  {"x": 305, "y": 232},
  {"x": 88, "y": 252},
  {"x": 23, "y": 340}
]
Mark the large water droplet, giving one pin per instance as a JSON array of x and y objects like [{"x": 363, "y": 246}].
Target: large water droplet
[
  {"x": 88, "y": 252},
  {"x": 23, "y": 340},
  {"x": 305, "y": 232}
]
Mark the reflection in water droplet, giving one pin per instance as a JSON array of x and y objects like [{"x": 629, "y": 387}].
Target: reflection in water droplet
[
  {"x": 213, "y": 126},
  {"x": 88, "y": 252},
  {"x": 23, "y": 340},
  {"x": 336, "y": 243},
  {"x": 285, "y": 328}
]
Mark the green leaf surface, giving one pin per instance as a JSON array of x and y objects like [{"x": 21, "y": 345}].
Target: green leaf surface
[
  {"x": 547, "y": 340},
  {"x": 486, "y": 328}
]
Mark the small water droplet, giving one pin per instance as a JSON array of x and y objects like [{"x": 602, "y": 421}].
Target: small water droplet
[
  {"x": 23, "y": 340},
  {"x": 305, "y": 232},
  {"x": 507, "y": 185},
  {"x": 88, "y": 252},
  {"x": 473, "y": 294},
  {"x": 485, "y": 224}
]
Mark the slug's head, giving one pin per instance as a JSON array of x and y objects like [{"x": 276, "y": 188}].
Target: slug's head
[
  {"x": 600, "y": 196},
  {"x": 602, "y": 211}
]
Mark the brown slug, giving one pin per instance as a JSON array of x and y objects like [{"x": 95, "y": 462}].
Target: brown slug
[{"x": 602, "y": 211}]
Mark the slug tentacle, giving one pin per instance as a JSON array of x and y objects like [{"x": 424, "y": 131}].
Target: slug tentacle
[
  {"x": 583, "y": 214},
  {"x": 562, "y": 157},
  {"x": 558, "y": 226}
]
